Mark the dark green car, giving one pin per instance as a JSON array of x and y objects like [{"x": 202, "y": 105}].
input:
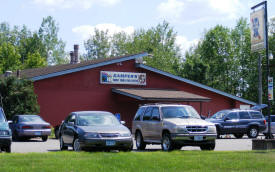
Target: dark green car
[{"x": 5, "y": 133}]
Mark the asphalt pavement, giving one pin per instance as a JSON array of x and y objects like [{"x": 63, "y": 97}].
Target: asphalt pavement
[{"x": 52, "y": 145}]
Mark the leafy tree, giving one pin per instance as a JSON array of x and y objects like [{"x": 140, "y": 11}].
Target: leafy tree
[
  {"x": 18, "y": 96},
  {"x": 34, "y": 60},
  {"x": 48, "y": 34},
  {"x": 98, "y": 46},
  {"x": 9, "y": 58}
]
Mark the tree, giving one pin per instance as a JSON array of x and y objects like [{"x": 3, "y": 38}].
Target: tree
[
  {"x": 48, "y": 34},
  {"x": 158, "y": 41},
  {"x": 18, "y": 96},
  {"x": 34, "y": 60},
  {"x": 98, "y": 46},
  {"x": 9, "y": 58}
]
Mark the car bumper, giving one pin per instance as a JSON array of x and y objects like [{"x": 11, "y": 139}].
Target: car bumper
[
  {"x": 5, "y": 141},
  {"x": 193, "y": 139},
  {"x": 34, "y": 133},
  {"x": 121, "y": 142}
]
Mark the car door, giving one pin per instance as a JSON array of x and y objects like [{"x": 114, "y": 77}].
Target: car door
[
  {"x": 245, "y": 119},
  {"x": 14, "y": 123},
  {"x": 146, "y": 122},
  {"x": 229, "y": 123},
  {"x": 67, "y": 131},
  {"x": 156, "y": 124}
]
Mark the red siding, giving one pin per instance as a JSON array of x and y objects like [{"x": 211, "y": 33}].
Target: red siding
[{"x": 58, "y": 96}]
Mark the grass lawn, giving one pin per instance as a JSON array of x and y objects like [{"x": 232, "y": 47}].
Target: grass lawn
[{"x": 70, "y": 161}]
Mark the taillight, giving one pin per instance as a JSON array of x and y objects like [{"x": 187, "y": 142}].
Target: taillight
[
  {"x": 27, "y": 127},
  {"x": 47, "y": 127},
  {"x": 264, "y": 122}
]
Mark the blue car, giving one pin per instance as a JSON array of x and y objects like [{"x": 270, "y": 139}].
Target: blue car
[
  {"x": 5, "y": 133},
  {"x": 239, "y": 122}
]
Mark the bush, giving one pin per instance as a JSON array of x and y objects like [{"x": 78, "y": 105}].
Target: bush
[{"x": 18, "y": 97}]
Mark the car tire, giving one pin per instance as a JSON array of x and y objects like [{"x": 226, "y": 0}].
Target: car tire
[
  {"x": 166, "y": 142},
  {"x": 238, "y": 136},
  {"x": 76, "y": 145},
  {"x": 8, "y": 149},
  {"x": 56, "y": 132},
  {"x": 139, "y": 141},
  {"x": 62, "y": 146},
  {"x": 44, "y": 138},
  {"x": 253, "y": 132},
  {"x": 209, "y": 146}
]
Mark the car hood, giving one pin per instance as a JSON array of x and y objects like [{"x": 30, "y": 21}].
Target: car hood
[
  {"x": 188, "y": 121},
  {"x": 4, "y": 126},
  {"x": 105, "y": 129}
]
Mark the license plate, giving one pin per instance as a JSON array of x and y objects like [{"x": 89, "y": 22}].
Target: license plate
[
  {"x": 110, "y": 142},
  {"x": 37, "y": 133},
  {"x": 198, "y": 138}
]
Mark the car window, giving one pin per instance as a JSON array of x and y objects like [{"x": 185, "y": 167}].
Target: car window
[
  {"x": 30, "y": 119},
  {"x": 256, "y": 115},
  {"x": 15, "y": 119},
  {"x": 155, "y": 114},
  {"x": 179, "y": 112},
  {"x": 97, "y": 119},
  {"x": 139, "y": 113},
  {"x": 2, "y": 118},
  {"x": 220, "y": 114},
  {"x": 273, "y": 119},
  {"x": 72, "y": 119},
  {"x": 232, "y": 115},
  {"x": 244, "y": 115},
  {"x": 147, "y": 114}
]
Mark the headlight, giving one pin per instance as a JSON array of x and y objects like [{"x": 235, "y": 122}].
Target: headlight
[
  {"x": 212, "y": 129},
  {"x": 4, "y": 133},
  {"x": 91, "y": 135},
  {"x": 125, "y": 134},
  {"x": 182, "y": 129}
]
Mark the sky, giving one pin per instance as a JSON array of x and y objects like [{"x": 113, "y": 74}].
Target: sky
[{"x": 78, "y": 18}]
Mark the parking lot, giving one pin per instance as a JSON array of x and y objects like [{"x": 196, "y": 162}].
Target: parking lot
[{"x": 52, "y": 145}]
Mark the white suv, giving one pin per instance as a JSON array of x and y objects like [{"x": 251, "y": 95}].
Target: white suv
[{"x": 172, "y": 126}]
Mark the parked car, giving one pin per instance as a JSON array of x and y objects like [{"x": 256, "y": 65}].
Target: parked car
[
  {"x": 272, "y": 125},
  {"x": 239, "y": 122},
  {"x": 172, "y": 126},
  {"x": 5, "y": 133},
  {"x": 84, "y": 130},
  {"x": 29, "y": 126}
]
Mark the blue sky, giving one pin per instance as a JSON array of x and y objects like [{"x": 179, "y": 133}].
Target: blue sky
[{"x": 78, "y": 18}]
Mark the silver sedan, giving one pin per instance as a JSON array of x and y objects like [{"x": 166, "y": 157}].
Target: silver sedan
[{"x": 29, "y": 126}]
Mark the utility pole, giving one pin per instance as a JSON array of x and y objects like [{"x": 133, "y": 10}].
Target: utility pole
[{"x": 260, "y": 85}]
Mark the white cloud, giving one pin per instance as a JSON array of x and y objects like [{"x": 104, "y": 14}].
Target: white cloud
[
  {"x": 85, "y": 31},
  {"x": 229, "y": 8},
  {"x": 171, "y": 9},
  {"x": 184, "y": 43},
  {"x": 66, "y": 4}
]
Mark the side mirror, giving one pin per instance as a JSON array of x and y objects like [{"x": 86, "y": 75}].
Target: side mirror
[
  {"x": 225, "y": 119},
  {"x": 71, "y": 123},
  {"x": 10, "y": 122},
  {"x": 123, "y": 122},
  {"x": 155, "y": 118}
]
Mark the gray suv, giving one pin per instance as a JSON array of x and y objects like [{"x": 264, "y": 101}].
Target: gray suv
[{"x": 172, "y": 126}]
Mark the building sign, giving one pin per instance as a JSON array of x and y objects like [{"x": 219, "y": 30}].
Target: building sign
[
  {"x": 131, "y": 78},
  {"x": 270, "y": 88},
  {"x": 257, "y": 27}
]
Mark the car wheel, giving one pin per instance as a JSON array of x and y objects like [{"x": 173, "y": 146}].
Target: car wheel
[
  {"x": 8, "y": 149},
  {"x": 44, "y": 138},
  {"x": 166, "y": 142},
  {"x": 76, "y": 145},
  {"x": 139, "y": 141},
  {"x": 238, "y": 136},
  {"x": 210, "y": 146},
  {"x": 253, "y": 132},
  {"x": 62, "y": 146}
]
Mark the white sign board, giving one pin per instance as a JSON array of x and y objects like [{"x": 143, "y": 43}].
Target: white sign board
[
  {"x": 257, "y": 28},
  {"x": 270, "y": 88},
  {"x": 129, "y": 78}
]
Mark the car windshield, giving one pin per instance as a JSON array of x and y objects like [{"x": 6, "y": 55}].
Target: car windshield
[
  {"x": 30, "y": 118},
  {"x": 220, "y": 114},
  {"x": 179, "y": 112},
  {"x": 97, "y": 119},
  {"x": 2, "y": 118}
]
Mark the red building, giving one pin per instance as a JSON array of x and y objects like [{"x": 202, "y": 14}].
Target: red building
[{"x": 119, "y": 85}]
